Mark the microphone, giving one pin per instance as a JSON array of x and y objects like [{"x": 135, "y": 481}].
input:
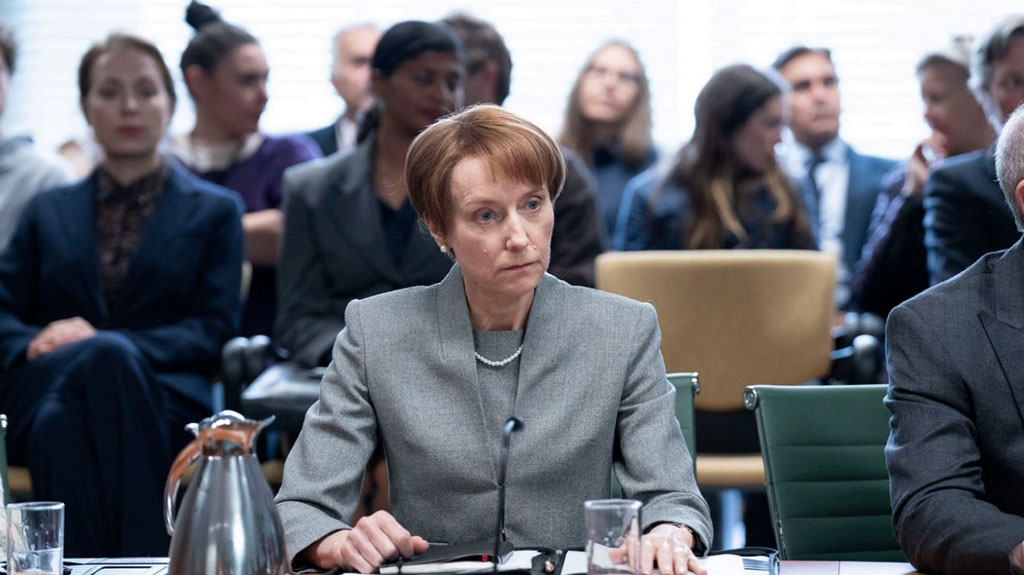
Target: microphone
[{"x": 512, "y": 425}]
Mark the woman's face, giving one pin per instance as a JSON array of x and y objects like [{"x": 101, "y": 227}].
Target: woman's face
[
  {"x": 610, "y": 85},
  {"x": 949, "y": 108},
  {"x": 235, "y": 93},
  {"x": 500, "y": 232},
  {"x": 420, "y": 90},
  {"x": 754, "y": 142},
  {"x": 127, "y": 104},
  {"x": 1007, "y": 84}
]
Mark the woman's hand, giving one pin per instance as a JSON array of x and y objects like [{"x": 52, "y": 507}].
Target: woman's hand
[
  {"x": 374, "y": 540},
  {"x": 58, "y": 333},
  {"x": 671, "y": 547}
]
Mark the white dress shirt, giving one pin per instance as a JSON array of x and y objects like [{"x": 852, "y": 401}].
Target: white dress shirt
[{"x": 832, "y": 179}]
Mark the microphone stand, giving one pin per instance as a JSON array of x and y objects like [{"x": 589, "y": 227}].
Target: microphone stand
[{"x": 512, "y": 425}]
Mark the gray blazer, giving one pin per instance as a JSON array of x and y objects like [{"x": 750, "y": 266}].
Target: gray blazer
[
  {"x": 592, "y": 395},
  {"x": 956, "y": 444},
  {"x": 334, "y": 250}
]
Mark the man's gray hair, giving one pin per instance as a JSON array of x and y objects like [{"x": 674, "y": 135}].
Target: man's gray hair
[
  {"x": 1010, "y": 162},
  {"x": 994, "y": 47},
  {"x": 336, "y": 39}
]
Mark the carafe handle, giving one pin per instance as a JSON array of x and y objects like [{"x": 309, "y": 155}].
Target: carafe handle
[{"x": 181, "y": 463}]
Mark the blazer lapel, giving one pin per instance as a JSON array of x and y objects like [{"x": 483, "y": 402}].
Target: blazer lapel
[
  {"x": 543, "y": 326},
  {"x": 169, "y": 215},
  {"x": 356, "y": 201},
  {"x": 79, "y": 226},
  {"x": 859, "y": 204},
  {"x": 1005, "y": 329},
  {"x": 458, "y": 353}
]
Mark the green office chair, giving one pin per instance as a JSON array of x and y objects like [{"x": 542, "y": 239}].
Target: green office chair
[
  {"x": 687, "y": 386},
  {"x": 824, "y": 464}
]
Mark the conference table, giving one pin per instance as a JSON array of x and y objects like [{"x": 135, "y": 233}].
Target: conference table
[
  {"x": 158, "y": 566},
  {"x": 845, "y": 568}
]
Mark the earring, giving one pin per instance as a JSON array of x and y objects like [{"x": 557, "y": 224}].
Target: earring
[{"x": 444, "y": 248}]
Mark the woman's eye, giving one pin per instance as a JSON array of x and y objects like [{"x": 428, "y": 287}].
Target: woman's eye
[
  {"x": 485, "y": 216},
  {"x": 533, "y": 205}
]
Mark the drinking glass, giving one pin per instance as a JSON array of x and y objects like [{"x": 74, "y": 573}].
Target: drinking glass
[
  {"x": 35, "y": 538},
  {"x": 613, "y": 536}
]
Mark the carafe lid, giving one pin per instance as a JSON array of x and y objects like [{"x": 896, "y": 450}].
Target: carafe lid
[{"x": 228, "y": 433}]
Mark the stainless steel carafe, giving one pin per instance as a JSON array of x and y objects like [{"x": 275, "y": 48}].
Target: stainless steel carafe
[{"x": 227, "y": 524}]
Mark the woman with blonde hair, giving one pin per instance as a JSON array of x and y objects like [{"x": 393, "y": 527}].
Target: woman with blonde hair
[
  {"x": 725, "y": 188},
  {"x": 608, "y": 123}
]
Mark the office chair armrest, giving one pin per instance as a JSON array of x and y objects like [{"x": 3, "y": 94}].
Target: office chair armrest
[
  {"x": 859, "y": 363},
  {"x": 242, "y": 360}
]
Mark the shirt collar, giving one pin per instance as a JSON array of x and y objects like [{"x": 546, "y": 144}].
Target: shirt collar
[{"x": 109, "y": 188}]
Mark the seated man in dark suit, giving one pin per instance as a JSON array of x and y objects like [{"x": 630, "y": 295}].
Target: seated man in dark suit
[
  {"x": 576, "y": 240},
  {"x": 965, "y": 213},
  {"x": 840, "y": 186},
  {"x": 350, "y": 73},
  {"x": 956, "y": 362}
]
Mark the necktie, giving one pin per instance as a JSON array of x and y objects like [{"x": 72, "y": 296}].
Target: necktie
[{"x": 814, "y": 195}]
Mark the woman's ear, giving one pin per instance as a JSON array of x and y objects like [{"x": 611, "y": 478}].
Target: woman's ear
[
  {"x": 85, "y": 111},
  {"x": 196, "y": 81},
  {"x": 439, "y": 237},
  {"x": 377, "y": 83}
]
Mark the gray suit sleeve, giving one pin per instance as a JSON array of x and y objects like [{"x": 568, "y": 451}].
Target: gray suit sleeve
[
  {"x": 935, "y": 467},
  {"x": 323, "y": 473},
  {"x": 652, "y": 461},
  {"x": 308, "y": 316}
]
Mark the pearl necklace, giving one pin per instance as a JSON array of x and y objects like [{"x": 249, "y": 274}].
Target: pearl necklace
[{"x": 499, "y": 363}]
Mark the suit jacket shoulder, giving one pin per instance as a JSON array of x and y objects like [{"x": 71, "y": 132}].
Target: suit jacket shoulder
[
  {"x": 956, "y": 355},
  {"x": 326, "y": 138}
]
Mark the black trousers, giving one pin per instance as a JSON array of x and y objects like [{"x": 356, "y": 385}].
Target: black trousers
[{"x": 98, "y": 432}]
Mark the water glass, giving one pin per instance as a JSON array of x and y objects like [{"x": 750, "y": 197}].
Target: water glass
[
  {"x": 35, "y": 538},
  {"x": 613, "y": 536}
]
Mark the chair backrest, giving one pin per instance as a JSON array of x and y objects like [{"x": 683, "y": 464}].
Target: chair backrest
[
  {"x": 738, "y": 317},
  {"x": 687, "y": 386},
  {"x": 824, "y": 465},
  {"x": 5, "y": 490}
]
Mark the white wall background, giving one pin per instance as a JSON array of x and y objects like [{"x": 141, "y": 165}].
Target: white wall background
[{"x": 875, "y": 46}]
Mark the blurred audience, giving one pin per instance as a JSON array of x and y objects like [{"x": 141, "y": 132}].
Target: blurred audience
[
  {"x": 226, "y": 74},
  {"x": 116, "y": 296},
  {"x": 352, "y": 50},
  {"x": 576, "y": 240},
  {"x": 966, "y": 215},
  {"x": 839, "y": 185},
  {"x": 893, "y": 266},
  {"x": 608, "y": 123},
  {"x": 350, "y": 231},
  {"x": 23, "y": 172},
  {"x": 955, "y": 356},
  {"x": 724, "y": 189}
]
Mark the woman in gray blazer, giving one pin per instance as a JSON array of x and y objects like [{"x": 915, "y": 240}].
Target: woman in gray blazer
[{"x": 433, "y": 372}]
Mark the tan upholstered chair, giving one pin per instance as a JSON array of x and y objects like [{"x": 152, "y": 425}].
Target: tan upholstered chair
[{"x": 738, "y": 318}]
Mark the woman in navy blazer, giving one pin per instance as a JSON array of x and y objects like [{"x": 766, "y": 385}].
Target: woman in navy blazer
[{"x": 116, "y": 295}]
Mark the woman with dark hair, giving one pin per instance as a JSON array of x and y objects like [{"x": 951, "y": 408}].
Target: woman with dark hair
[
  {"x": 226, "y": 74},
  {"x": 350, "y": 231},
  {"x": 116, "y": 296},
  {"x": 608, "y": 123},
  {"x": 725, "y": 189}
]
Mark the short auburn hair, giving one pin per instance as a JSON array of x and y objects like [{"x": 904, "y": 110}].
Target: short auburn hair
[{"x": 513, "y": 148}]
